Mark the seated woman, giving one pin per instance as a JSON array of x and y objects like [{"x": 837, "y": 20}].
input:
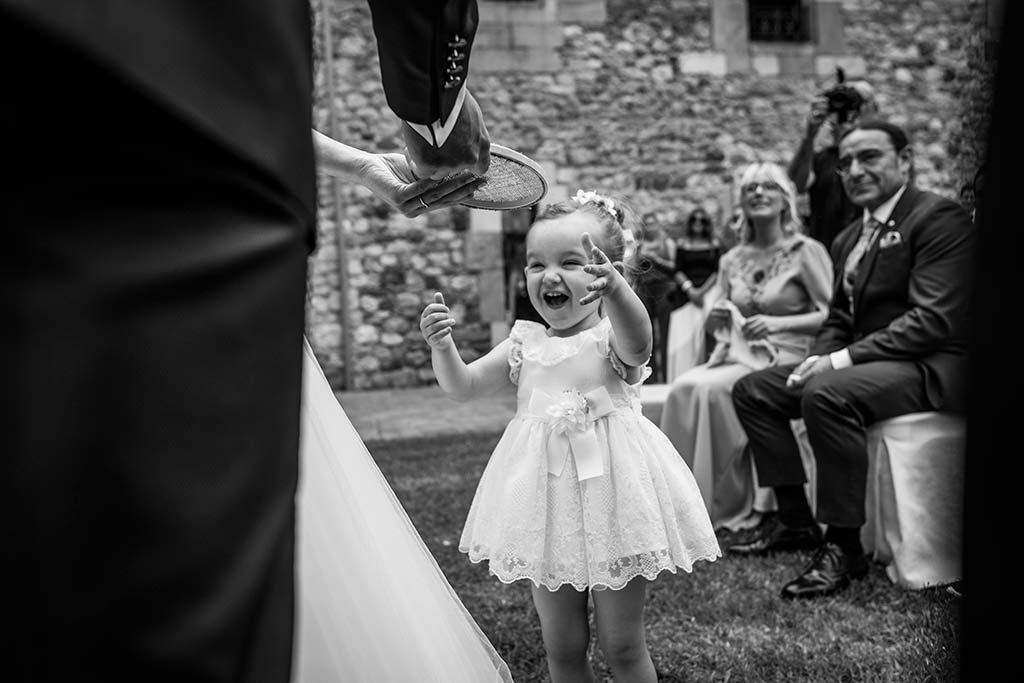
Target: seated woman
[
  {"x": 696, "y": 264},
  {"x": 776, "y": 285}
]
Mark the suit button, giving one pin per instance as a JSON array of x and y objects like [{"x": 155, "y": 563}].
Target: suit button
[
  {"x": 457, "y": 42},
  {"x": 452, "y": 82}
]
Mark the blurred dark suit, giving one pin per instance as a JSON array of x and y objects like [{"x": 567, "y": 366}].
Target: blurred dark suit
[{"x": 158, "y": 207}]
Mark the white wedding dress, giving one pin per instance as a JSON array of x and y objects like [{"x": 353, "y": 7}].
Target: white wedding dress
[{"x": 373, "y": 605}]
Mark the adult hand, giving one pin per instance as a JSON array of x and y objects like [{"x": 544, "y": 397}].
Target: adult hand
[
  {"x": 758, "y": 326},
  {"x": 817, "y": 115},
  {"x": 467, "y": 147},
  {"x": 808, "y": 368},
  {"x": 607, "y": 277},
  {"x": 389, "y": 177},
  {"x": 436, "y": 323}
]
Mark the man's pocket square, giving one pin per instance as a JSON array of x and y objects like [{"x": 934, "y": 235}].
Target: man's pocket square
[{"x": 890, "y": 239}]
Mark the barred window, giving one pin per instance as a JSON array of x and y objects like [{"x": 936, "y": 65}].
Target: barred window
[{"x": 778, "y": 21}]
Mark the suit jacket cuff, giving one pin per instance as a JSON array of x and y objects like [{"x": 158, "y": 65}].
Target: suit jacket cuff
[{"x": 437, "y": 133}]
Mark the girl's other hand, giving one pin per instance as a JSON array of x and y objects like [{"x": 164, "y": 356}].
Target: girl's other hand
[{"x": 436, "y": 323}]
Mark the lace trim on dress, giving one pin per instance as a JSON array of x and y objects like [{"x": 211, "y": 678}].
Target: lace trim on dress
[
  {"x": 536, "y": 346},
  {"x": 509, "y": 567},
  {"x": 531, "y": 341}
]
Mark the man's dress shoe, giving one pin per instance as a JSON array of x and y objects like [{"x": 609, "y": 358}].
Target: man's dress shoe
[
  {"x": 776, "y": 537},
  {"x": 831, "y": 570}
]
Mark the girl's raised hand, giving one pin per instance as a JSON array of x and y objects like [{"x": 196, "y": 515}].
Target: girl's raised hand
[
  {"x": 436, "y": 323},
  {"x": 606, "y": 276}
]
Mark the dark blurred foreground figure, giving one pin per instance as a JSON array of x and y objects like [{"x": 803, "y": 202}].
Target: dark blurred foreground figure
[
  {"x": 991, "y": 568},
  {"x": 158, "y": 207}
]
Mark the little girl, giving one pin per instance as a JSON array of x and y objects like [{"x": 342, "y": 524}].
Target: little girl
[{"x": 582, "y": 495}]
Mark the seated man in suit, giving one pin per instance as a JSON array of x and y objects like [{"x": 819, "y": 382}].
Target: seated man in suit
[{"x": 894, "y": 342}]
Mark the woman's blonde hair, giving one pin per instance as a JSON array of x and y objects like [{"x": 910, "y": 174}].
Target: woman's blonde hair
[{"x": 767, "y": 170}]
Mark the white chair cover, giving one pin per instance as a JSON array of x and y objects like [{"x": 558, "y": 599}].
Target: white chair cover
[
  {"x": 915, "y": 498},
  {"x": 914, "y": 503}
]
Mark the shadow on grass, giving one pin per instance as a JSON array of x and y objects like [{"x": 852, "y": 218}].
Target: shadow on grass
[{"x": 723, "y": 622}]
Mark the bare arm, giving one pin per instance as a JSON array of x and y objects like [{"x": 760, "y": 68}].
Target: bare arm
[
  {"x": 800, "y": 169},
  {"x": 388, "y": 176},
  {"x": 632, "y": 336},
  {"x": 458, "y": 380}
]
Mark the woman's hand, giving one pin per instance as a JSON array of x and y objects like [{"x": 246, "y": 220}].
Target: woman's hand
[
  {"x": 436, "y": 323},
  {"x": 607, "y": 278},
  {"x": 389, "y": 177},
  {"x": 759, "y": 326}
]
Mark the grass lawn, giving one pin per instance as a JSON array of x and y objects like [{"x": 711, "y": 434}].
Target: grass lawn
[{"x": 723, "y": 622}]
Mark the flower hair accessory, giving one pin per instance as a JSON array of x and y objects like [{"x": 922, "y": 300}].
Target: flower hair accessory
[{"x": 607, "y": 203}]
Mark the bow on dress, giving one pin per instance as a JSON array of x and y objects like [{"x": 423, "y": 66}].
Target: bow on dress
[{"x": 572, "y": 416}]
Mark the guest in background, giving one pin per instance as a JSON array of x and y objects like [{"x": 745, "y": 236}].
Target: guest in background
[
  {"x": 776, "y": 285},
  {"x": 697, "y": 254},
  {"x": 655, "y": 258},
  {"x": 894, "y": 342},
  {"x": 696, "y": 262},
  {"x": 814, "y": 170}
]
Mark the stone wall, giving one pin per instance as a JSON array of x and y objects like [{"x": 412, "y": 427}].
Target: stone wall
[{"x": 624, "y": 112}]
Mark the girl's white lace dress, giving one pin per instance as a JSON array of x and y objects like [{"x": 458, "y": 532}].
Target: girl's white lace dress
[
  {"x": 582, "y": 489},
  {"x": 373, "y": 605}
]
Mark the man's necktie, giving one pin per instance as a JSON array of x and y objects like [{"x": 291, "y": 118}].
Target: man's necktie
[{"x": 867, "y": 234}]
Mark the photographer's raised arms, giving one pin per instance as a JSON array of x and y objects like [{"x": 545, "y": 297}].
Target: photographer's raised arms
[
  {"x": 845, "y": 100},
  {"x": 814, "y": 172}
]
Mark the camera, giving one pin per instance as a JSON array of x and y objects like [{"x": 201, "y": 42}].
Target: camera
[{"x": 843, "y": 100}]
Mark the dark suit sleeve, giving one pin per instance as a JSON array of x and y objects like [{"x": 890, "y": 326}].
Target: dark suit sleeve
[
  {"x": 424, "y": 48},
  {"x": 939, "y": 290}
]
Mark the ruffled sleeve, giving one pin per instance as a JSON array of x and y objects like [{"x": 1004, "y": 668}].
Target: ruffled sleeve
[
  {"x": 522, "y": 330},
  {"x": 604, "y": 346}
]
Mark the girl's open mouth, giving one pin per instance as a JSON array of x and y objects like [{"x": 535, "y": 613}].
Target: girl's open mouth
[{"x": 555, "y": 299}]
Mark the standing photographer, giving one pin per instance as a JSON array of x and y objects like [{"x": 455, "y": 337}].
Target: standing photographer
[{"x": 814, "y": 172}]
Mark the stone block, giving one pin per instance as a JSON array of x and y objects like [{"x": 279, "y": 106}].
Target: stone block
[
  {"x": 766, "y": 65},
  {"x": 709, "y": 63}
]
